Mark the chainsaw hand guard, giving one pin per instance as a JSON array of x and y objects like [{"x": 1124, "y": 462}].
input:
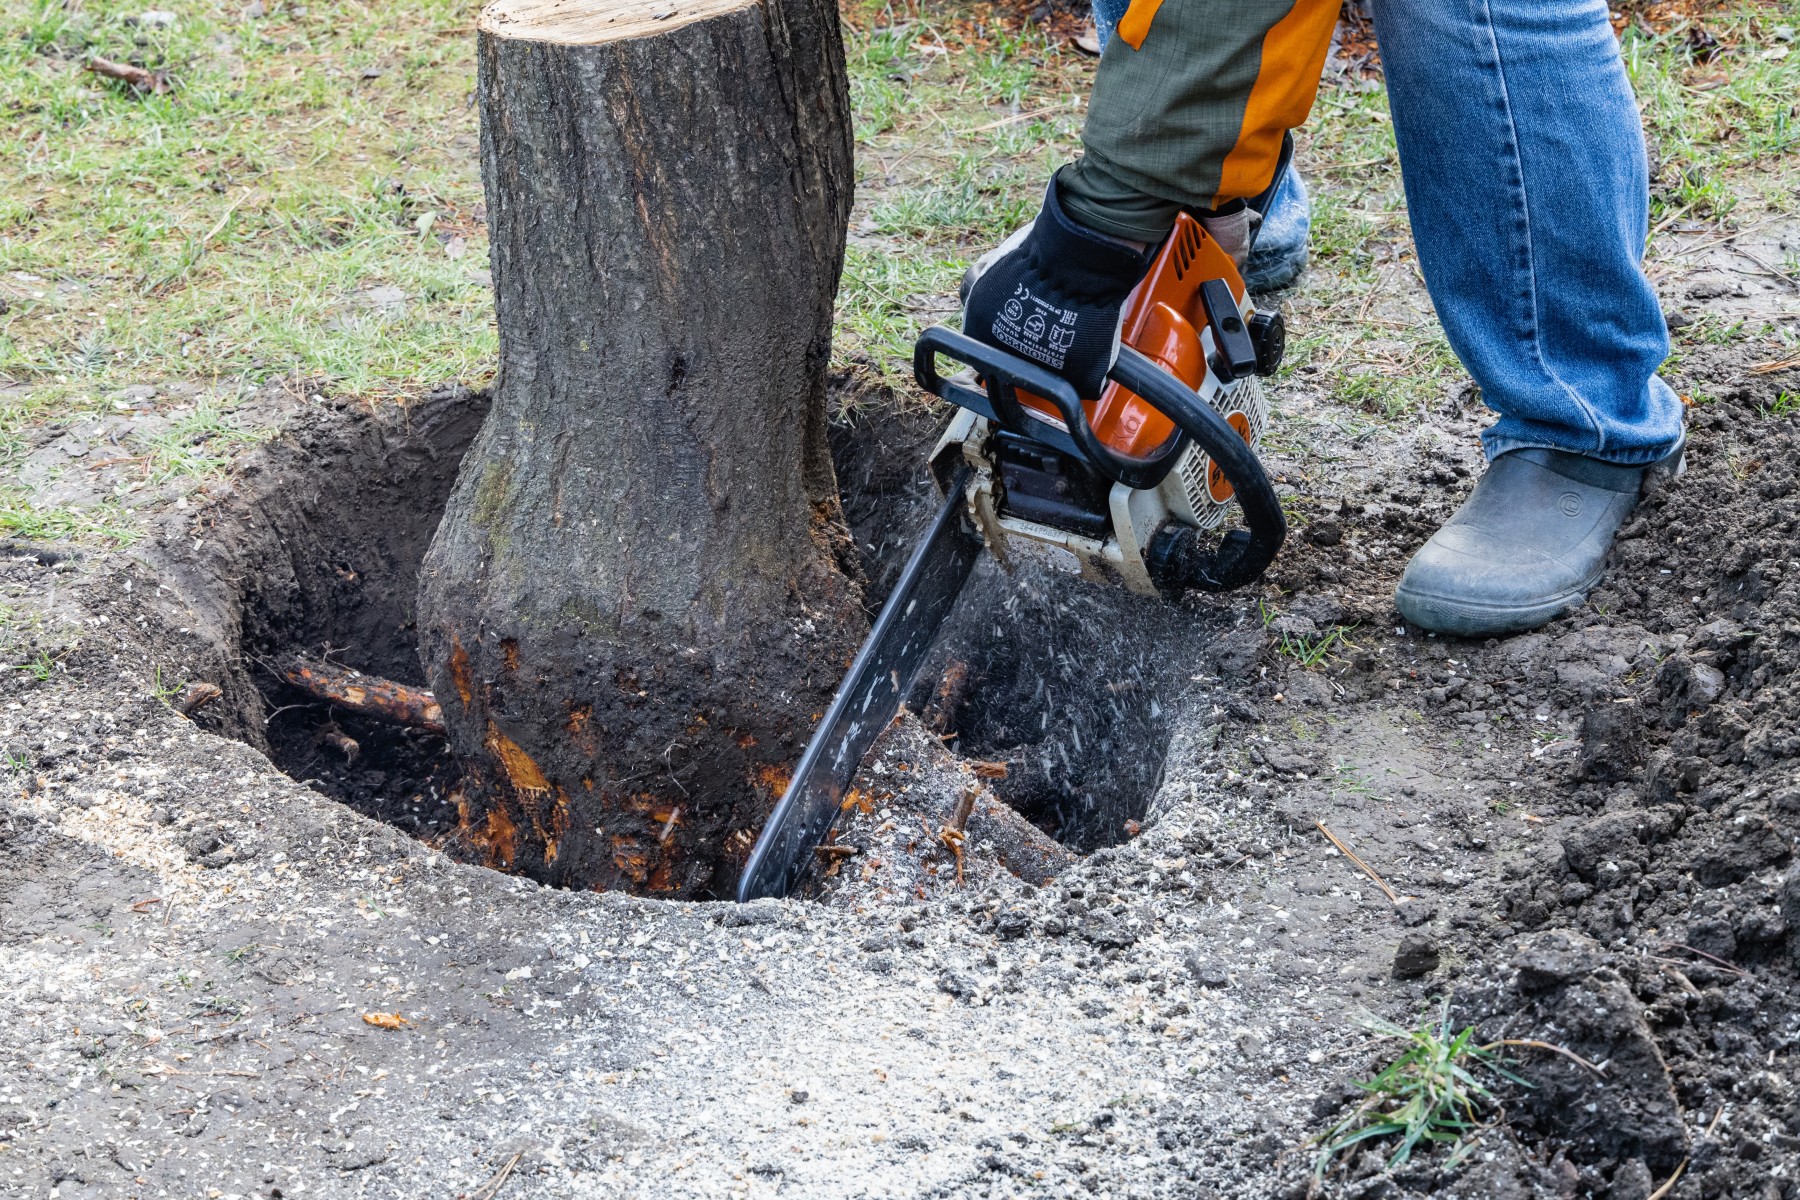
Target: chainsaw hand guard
[
  {"x": 1004, "y": 374},
  {"x": 1242, "y": 555}
]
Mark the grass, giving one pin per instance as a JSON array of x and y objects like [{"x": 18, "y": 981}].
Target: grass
[
  {"x": 1310, "y": 652},
  {"x": 1722, "y": 132},
  {"x": 958, "y": 123},
  {"x": 225, "y": 230},
  {"x": 1717, "y": 101},
  {"x": 201, "y": 441},
  {"x": 1349, "y": 781},
  {"x": 19, "y": 518},
  {"x": 1427, "y": 1095},
  {"x": 1785, "y": 404},
  {"x": 229, "y": 231},
  {"x": 308, "y": 165},
  {"x": 40, "y": 667},
  {"x": 164, "y": 692}
]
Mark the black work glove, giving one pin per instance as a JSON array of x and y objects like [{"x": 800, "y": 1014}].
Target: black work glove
[{"x": 1054, "y": 292}]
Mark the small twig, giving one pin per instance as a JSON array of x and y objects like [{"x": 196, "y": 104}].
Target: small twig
[
  {"x": 219, "y": 225},
  {"x": 965, "y": 806},
  {"x": 1713, "y": 958},
  {"x": 1669, "y": 220},
  {"x": 1365, "y": 867},
  {"x": 953, "y": 835},
  {"x": 1537, "y": 1045},
  {"x": 488, "y": 1190},
  {"x": 162, "y": 1068},
  {"x": 1668, "y": 1183},
  {"x": 115, "y": 462},
  {"x": 1024, "y": 116},
  {"x": 1774, "y": 365},
  {"x": 1672, "y": 966},
  {"x": 142, "y": 905},
  {"x": 156, "y": 82},
  {"x": 1720, "y": 241}
]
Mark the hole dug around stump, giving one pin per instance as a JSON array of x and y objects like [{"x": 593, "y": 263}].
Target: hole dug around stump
[
  {"x": 1035, "y": 674},
  {"x": 325, "y": 535}
]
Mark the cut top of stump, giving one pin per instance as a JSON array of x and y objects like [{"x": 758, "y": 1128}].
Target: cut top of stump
[{"x": 593, "y": 22}]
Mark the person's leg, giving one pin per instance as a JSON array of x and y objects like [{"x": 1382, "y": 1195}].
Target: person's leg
[
  {"x": 1191, "y": 102},
  {"x": 1279, "y": 253},
  {"x": 1191, "y": 107},
  {"x": 1527, "y": 188},
  {"x": 1107, "y": 15}
]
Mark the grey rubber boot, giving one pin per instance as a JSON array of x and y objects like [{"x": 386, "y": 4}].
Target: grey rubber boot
[{"x": 1527, "y": 545}]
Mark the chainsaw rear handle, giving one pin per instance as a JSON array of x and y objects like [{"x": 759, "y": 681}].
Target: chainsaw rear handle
[
  {"x": 1242, "y": 555},
  {"x": 1003, "y": 375}
]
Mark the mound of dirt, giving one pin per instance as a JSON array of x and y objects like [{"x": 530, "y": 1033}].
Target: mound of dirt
[{"x": 1657, "y": 933}]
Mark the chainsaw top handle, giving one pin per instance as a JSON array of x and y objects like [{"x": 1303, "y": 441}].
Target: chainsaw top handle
[
  {"x": 1241, "y": 557},
  {"x": 1003, "y": 376}
]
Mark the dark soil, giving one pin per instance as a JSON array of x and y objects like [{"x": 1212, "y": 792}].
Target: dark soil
[
  {"x": 1659, "y": 935},
  {"x": 1065, "y": 684},
  {"x": 1069, "y": 686},
  {"x": 1592, "y": 826},
  {"x": 317, "y": 552}
]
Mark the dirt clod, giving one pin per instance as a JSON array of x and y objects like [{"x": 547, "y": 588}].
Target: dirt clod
[{"x": 1415, "y": 956}]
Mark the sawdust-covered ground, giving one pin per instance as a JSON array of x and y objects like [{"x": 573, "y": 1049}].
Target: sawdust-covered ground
[{"x": 220, "y": 979}]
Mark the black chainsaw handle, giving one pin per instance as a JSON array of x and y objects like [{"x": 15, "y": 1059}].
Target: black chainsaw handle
[
  {"x": 1243, "y": 554},
  {"x": 1003, "y": 375}
]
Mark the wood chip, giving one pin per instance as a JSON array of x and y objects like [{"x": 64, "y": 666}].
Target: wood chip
[{"x": 142, "y": 80}]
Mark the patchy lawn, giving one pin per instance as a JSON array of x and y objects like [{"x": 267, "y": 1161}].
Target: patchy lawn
[{"x": 303, "y": 207}]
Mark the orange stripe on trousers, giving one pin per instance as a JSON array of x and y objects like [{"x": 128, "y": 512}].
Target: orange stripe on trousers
[
  {"x": 1136, "y": 22},
  {"x": 1293, "y": 55}
]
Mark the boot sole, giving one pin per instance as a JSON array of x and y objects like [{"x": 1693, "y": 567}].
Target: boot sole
[{"x": 1459, "y": 618}]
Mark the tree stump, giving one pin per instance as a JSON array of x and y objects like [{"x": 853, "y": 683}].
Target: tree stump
[{"x": 633, "y": 611}]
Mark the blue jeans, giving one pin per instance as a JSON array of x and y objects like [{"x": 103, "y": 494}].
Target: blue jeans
[{"x": 1528, "y": 191}]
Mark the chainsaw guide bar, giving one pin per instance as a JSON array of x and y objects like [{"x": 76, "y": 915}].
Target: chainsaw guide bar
[{"x": 866, "y": 701}]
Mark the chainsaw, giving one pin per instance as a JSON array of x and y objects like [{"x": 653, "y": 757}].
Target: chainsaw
[{"x": 1126, "y": 489}]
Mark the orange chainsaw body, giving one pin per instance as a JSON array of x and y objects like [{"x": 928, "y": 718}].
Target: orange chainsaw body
[{"x": 1163, "y": 320}]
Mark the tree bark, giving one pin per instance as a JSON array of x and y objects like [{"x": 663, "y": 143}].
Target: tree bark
[{"x": 633, "y": 612}]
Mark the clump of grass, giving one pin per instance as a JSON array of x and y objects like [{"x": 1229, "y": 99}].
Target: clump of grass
[
  {"x": 19, "y": 518},
  {"x": 226, "y": 230},
  {"x": 1785, "y": 404},
  {"x": 1310, "y": 652},
  {"x": 1428, "y": 1094},
  {"x": 1716, "y": 96},
  {"x": 198, "y": 444},
  {"x": 40, "y": 667}
]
